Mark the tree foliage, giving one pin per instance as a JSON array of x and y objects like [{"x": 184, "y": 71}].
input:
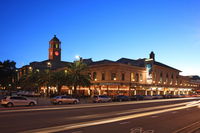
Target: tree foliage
[
  {"x": 77, "y": 77},
  {"x": 7, "y": 73}
]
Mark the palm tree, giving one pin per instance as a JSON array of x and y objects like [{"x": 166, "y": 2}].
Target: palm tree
[
  {"x": 59, "y": 79},
  {"x": 76, "y": 76},
  {"x": 34, "y": 80}
]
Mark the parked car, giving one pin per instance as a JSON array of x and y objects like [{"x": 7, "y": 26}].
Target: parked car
[
  {"x": 101, "y": 98},
  {"x": 28, "y": 93},
  {"x": 136, "y": 97},
  {"x": 120, "y": 98},
  {"x": 157, "y": 97},
  {"x": 10, "y": 101},
  {"x": 167, "y": 96},
  {"x": 148, "y": 97},
  {"x": 64, "y": 99}
]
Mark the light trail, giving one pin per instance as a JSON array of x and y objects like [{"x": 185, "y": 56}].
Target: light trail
[
  {"x": 106, "y": 121},
  {"x": 94, "y": 105},
  {"x": 125, "y": 112}
]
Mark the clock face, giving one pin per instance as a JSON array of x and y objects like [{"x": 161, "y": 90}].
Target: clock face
[{"x": 56, "y": 53}]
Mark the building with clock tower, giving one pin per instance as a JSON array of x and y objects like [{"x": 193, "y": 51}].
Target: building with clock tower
[
  {"x": 52, "y": 63},
  {"x": 55, "y": 49}
]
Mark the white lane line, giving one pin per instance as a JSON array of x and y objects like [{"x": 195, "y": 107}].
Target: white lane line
[
  {"x": 122, "y": 123},
  {"x": 154, "y": 116},
  {"x": 77, "y": 132},
  {"x": 186, "y": 127},
  {"x": 94, "y": 105},
  {"x": 102, "y": 121},
  {"x": 174, "y": 112}
]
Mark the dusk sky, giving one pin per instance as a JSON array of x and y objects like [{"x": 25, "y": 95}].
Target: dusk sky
[{"x": 103, "y": 29}]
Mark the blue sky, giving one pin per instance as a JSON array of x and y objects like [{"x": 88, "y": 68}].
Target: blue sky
[{"x": 103, "y": 29}]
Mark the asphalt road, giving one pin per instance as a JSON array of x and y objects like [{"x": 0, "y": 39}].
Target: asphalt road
[{"x": 151, "y": 116}]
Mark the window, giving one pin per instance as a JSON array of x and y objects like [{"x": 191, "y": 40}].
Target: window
[
  {"x": 141, "y": 77},
  {"x": 167, "y": 76},
  {"x": 161, "y": 77},
  {"x": 123, "y": 76},
  {"x": 94, "y": 76},
  {"x": 137, "y": 77},
  {"x": 89, "y": 74},
  {"x": 103, "y": 76},
  {"x": 132, "y": 77},
  {"x": 113, "y": 76}
]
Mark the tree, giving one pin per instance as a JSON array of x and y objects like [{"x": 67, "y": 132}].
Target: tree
[
  {"x": 59, "y": 79},
  {"x": 34, "y": 80},
  {"x": 7, "y": 74},
  {"x": 76, "y": 75}
]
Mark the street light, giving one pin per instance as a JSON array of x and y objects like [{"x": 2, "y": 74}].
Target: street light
[
  {"x": 49, "y": 67},
  {"x": 77, "y": 57}
]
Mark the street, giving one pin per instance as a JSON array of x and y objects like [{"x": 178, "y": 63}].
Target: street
[{"x": 179, "y": 115}]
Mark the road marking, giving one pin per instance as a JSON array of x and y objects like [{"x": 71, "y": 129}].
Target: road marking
[
  {"x": 122, "y": 123},
  {"x": 94, "y": 105},
  {"x": 154, "y": 116},
  {"x": 77, "y": 132},
  {"x": 103, "y": 121},
  {"x": 140, "y": 130},
  {"x": 174, "y": 112},
  {"x": 182, "y": 130}
]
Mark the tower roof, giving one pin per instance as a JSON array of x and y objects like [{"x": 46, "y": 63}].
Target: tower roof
[{"x": 54, "y": 39}]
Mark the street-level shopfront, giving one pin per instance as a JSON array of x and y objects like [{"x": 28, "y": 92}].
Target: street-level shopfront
[{"x": 112, "y": 89}]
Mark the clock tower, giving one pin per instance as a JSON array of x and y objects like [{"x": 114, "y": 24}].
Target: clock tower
[{"x": 54, "y": 49}]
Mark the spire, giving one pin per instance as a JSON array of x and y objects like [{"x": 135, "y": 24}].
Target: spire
[{"x": 152, "y": 55}]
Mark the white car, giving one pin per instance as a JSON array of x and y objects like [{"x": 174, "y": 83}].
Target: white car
[
  {"x": 64, "y": 99},
  {"x": 10, "y": 101},
  {"x": 101, "y": 98}
]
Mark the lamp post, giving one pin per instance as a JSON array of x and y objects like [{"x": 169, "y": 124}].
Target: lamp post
[{"x": 49, "y": 68}]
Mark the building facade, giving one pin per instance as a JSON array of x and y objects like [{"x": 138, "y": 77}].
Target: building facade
[{"x": 125, "y": 76}]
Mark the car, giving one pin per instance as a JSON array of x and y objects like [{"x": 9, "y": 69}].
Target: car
[
  {"x": 120, "y": 98},
  {"x": 167, "y": 96},
  {"x": 157, "y": 96},
  {"x": 101, "y": 98},
  {"x": 64, "y": 99},
  {"x": 137, "y": 97},
  {"x": 10, "y": 101},
  {"x": 148, "y": 97}
]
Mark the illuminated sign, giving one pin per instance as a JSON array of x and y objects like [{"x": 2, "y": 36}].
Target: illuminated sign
[{"x": 149, "y": 73}]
